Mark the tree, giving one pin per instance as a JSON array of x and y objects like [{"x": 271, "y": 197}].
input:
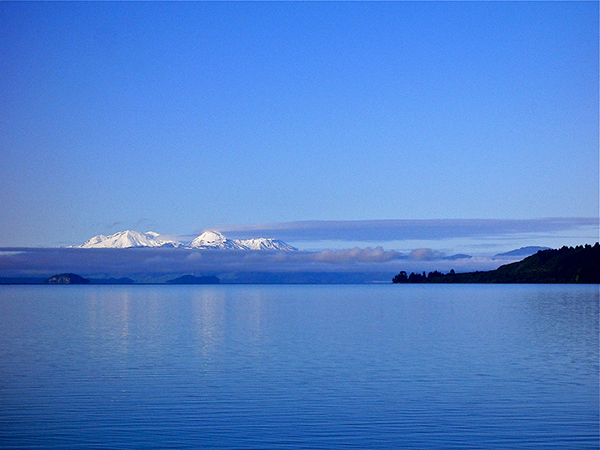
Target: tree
[{"x": 400, "y": 278}]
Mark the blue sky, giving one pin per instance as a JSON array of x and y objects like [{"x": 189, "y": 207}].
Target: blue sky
[{"x": 176, "y": 117}]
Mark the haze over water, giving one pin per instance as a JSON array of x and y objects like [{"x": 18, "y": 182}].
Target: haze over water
[{"x": 459, "y": 366}]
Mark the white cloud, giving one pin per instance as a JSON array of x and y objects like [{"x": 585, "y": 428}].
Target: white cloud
[
  {"x": 426, "y": 254},
  {"x": 377, "y": 254}
]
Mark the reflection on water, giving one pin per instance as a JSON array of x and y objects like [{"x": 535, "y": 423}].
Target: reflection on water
[
  {"x": 410, "y": 366},
  {"x": 109, "y": 320},
  {"x": 209, "y": 317}
]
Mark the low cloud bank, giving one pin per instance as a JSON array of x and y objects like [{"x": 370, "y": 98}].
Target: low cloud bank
[
  {"x": 377, "y": 254},
  {"x": 148, "y": 264}
]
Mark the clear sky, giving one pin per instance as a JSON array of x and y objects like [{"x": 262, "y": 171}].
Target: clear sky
[{"x": 176, "y": 117}]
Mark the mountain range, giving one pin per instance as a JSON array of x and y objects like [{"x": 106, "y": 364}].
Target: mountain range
[{"x": 206, "y": 241}]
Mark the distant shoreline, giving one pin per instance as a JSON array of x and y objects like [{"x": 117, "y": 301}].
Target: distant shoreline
[{"x": 41, "y": 283}]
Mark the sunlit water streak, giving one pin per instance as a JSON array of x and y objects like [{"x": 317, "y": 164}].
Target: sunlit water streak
[{"x": 461, "y": 366}]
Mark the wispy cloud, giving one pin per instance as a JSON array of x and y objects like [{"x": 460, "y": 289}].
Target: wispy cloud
[
  {"x": 114, "y": 225},
  {"x": 401, "y": 230}
]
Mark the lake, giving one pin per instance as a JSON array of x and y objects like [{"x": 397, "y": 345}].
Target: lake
[{"x": 304, "y": 366}]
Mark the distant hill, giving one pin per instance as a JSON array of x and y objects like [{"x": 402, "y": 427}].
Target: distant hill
[
  {"x": 579, "y": 264},
  {"x": 457, "y": 256},
  {"x": 522, "y": 252},
  {"x": 191, "y": 279}
]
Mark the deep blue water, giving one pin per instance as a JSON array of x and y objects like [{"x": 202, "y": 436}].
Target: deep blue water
[{"x": 390, "y": 366}]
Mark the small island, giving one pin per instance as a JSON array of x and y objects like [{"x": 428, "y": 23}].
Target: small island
[
  {"x": 579, "y": 264},
  {"x": 66, "y": 278}
]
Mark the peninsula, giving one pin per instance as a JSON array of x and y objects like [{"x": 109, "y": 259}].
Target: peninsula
[{"x": 579, "y": 264}]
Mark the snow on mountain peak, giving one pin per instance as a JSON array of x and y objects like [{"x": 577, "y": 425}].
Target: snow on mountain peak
[
  {"x": 214, "y": 239},
  {"x": 207, "y": 240},
  {"x": 267, "y": 244},
  {"x": 128, "y": 239},
  {"x": 211, "y": 237}
]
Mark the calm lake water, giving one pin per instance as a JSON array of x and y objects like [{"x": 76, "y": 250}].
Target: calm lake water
[{"x": 265, "y": 367}]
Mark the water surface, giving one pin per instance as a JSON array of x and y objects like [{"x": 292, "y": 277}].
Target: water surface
[{"x": 411, "y": 366}]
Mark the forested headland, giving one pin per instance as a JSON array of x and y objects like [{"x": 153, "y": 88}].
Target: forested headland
[{"x": 579, "y": 264}]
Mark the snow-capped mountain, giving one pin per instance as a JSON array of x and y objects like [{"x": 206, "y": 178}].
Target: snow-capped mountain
[
  {"x": 207, "y": 240},
  {"x": 214, "y": 239},
  {"x": 267, "y": 244},
  {"x": 128, "y": 239}
]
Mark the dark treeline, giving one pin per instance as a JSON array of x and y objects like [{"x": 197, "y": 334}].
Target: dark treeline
[
  {"x": 403, "y": 277},
  {"x": 579, "y": 264}
]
